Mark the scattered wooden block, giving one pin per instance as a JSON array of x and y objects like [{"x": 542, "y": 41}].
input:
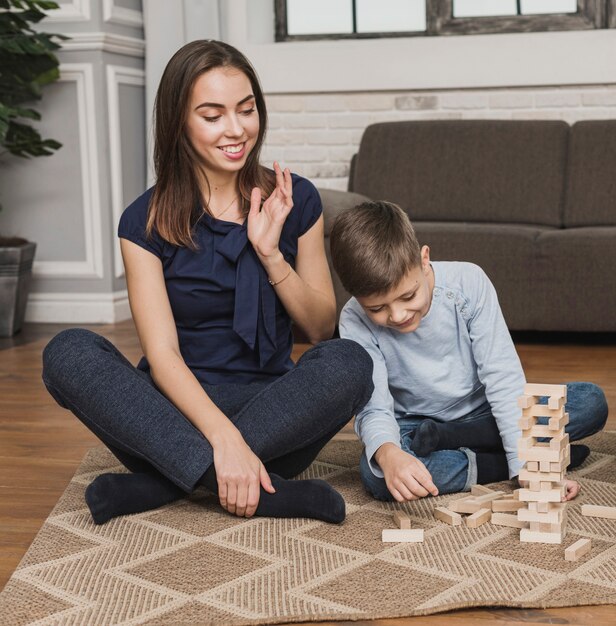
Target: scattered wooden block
[
  {"x": 478, "y": 518},
  {"x": 507, "y": 505},
  {"x": 489, "y": 497},
  {"x": 578, "y": 549},
  {"x": 530, "y": 536},
  {"x": 481, "y": 490},
  {"x": 594, "y": 510},
  {"x": 402, "y": 520},
  {"x": 449, "y": 517},
  {"x": 553, "y": 391},
  {"x": 506, "y": 519},
  {"x": 464, "y": 505},
  {"x": 402, "y": 535}
]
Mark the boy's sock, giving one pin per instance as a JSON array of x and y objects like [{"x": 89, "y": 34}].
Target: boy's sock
[
  {"x": 315, "y": 499},
  {"x": 579, "y": 453},
  {"x": 431, "y": 436},
  {"x": 110, "y": 495},
  {"x": 492, "y": 467}
]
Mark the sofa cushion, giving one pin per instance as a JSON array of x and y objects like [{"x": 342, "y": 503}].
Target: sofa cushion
[
  {"x": 574, "y": 277},
  {"x": 336, "y": 201},
  {"x": 504, "y": 252},
  {"x": 467, "y": 170},
  {"x": 591, "y": 180}
]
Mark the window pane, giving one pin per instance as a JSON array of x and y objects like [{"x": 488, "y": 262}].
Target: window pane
[
  {"x": 530, "y": 7},
  {"x": 382, "y": 16},
  {"x": 319, "y": 17},
  {"x": 478, "y": 8}
]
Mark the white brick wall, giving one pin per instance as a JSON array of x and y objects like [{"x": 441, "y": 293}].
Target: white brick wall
[{"x": 317, "y": 134}]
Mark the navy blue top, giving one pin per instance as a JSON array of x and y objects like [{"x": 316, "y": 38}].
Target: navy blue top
[{"x": 231, "y": 325}]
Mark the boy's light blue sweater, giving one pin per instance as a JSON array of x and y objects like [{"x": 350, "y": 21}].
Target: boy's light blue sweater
[{"x": 460, "y": 356}]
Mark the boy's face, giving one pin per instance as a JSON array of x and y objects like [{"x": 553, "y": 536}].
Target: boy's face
[{"x": 403, "y": 307}]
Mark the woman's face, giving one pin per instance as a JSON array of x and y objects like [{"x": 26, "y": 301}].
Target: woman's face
[{"x": 223, "y": 121}]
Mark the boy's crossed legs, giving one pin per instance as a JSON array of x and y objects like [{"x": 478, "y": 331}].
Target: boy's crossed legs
[{"x": 473, "y": 451}]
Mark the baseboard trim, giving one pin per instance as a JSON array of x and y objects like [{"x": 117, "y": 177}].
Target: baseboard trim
[{"x": 78, "y": 308}]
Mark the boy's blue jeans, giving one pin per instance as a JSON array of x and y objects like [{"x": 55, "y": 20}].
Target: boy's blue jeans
[{"x": 456, "y": 470}]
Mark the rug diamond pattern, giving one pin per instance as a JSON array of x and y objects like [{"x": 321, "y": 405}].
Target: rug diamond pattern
[{"x": 192, "y": 563}]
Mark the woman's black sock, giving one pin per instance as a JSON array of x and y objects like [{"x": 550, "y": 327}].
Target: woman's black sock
[
  {"x": 110, "y": 495},
  {"x": 492, "y": 467},
  {"x": 431, "y": 436},
  {"x": 313, "y": 498}
]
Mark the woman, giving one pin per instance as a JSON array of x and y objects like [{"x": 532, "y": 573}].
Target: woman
[{"x": 215, "y": 278}]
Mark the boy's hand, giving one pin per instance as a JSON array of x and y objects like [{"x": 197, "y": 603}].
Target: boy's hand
[
  {"x": 572, "y": 489},
  {"x": 406, "y": 477}
]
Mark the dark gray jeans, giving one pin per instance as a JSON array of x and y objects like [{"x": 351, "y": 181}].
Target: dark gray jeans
[{"x": 290, "y": 418}]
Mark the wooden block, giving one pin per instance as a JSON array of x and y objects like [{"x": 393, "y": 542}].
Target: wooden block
[
  {"x": 464, "y": 505},
  {"x": 402, "y": 535},
  {"x": 402, "y": 520},
  {"x": 546, "y": 466},
  {"x": 593, "y": 510},
  {"x": 543, "y": 410},
  {"x": 559, "y": 442},
  {"x": 560, "y": 466},
  {"x": 556, "y": 403},
  {"x": 556, "y": 423},
  {"x": 538, "y": 430},
  {"x": 481, "y": 490},
  {"x": 506, "y": 519},
  {"x": 525, "y": 402},
  {"x": 552, "y": 391},
  {"x": 478, "y": 518},
  {"x": 447, "y": 516},
  {"x": 532, "y": 466},
  {"x": 556, "y": 515},
  {"x": 578, "y": 549},
  {"x": 545, "y": 507},
  {"x": 516, "y": 494},
  {"x": 507, "y": 505},
  {"x": 549, "y": 495},
  {"x": 542, "y": 476},
  {"x": 539, "y": 452},
  {"x": 530, "y": 536},
  {"x": 534, "y": 485},
  {"x": 489, "y": 497},
  {"x": 525, "y": 423}
]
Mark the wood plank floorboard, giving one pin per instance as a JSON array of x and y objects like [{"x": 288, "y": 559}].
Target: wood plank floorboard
[{"x": 41, "y": 446}]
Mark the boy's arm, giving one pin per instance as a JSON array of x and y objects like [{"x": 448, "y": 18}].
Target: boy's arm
[
  {"x": 498, "y": 366},
  {"x": 376, "y": 424}
]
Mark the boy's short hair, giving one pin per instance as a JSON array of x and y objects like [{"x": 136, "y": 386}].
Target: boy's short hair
[{"x": 373, "y": 247}]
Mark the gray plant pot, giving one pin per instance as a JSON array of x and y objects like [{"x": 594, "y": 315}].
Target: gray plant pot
[{"x": 15, "y": 275}]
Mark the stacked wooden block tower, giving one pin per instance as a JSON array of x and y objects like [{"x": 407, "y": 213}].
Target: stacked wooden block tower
[{"x": 545, "y": 463}]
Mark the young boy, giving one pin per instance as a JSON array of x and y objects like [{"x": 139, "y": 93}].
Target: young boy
[{"x": 444, "y": 414}]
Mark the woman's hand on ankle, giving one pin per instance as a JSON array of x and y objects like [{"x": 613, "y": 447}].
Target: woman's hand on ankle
[
  {"x": 240, "y": 475},
  {"x": 406, "y": 477}
]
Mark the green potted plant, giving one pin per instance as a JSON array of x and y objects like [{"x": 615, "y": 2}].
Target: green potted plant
[{"x": 27, "y": 63}]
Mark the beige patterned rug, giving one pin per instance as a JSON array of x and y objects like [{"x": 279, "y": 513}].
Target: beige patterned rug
[{"x": 190, "y": 563}]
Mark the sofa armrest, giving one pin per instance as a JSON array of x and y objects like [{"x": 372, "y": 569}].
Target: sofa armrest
[{"x": 336, "y": 201}]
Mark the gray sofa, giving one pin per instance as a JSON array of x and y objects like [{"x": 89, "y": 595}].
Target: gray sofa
[{"x": 532, "y": 202}]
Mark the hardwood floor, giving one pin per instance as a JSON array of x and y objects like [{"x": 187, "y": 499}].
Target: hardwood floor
[{"x": 41, "y": 445}]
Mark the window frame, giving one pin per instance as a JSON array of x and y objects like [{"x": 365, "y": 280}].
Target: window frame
[{"x": 591, "y": 14}]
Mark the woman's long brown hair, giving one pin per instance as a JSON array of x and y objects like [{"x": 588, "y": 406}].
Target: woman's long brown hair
[{"x": 175, "y": 205}]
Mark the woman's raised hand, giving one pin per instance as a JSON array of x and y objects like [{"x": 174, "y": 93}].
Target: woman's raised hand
[
  {"x": 240, "y": 475},
  {"x": 265, "y": 222}
]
